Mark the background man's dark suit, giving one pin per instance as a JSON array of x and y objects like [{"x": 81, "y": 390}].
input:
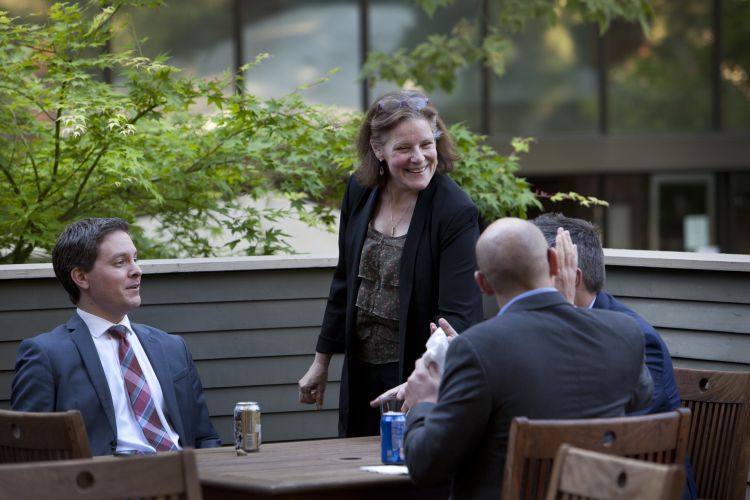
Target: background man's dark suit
[
  {"x": 659, "y": 362},
  {"x": 61, "y": 370},
  {"x": 542, "y": 358}
]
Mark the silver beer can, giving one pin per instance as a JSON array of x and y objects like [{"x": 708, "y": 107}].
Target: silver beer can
[{"x": 246, "y": 427}]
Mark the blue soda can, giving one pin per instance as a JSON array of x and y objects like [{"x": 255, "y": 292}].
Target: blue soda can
[{"x": 392, "y": 426}]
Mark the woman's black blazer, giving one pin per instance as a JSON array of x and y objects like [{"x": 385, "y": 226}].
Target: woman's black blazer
[{"x": 436, "y": 278}]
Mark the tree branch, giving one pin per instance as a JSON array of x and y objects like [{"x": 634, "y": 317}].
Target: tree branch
[
  {"x": 56, "y": 162},
  {"x": 21, "y": 251},
  {"x": 9, "y": 176},
  {"x": 86, "y": 177},
  {"x": 30, "y": 98}
]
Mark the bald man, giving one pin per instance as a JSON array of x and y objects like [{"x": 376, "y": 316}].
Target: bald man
[{"x": 541, "y": 357}]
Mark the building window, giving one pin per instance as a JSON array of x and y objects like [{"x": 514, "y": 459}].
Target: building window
[
  {"x": 662, "y": 83},
  {"x": 682, "y": 213},
  {"x": 551, "y": 83},
  {"x": 399, "y": 24},
  {"x": 306, "y": 40},
  {"x": 196, "y": 35},
  {"x": 735, "y": 65}
]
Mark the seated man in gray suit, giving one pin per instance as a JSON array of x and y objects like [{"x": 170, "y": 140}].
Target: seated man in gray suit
[
  {"x": 135, "y": 386},
  {"x": 541, "y": 357}
]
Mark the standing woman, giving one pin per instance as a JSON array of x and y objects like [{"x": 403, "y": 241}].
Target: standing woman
[{"x": 406, "y": 257}]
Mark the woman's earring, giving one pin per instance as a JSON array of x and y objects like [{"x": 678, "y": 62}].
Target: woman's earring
[{"x": 382, "y": 172}]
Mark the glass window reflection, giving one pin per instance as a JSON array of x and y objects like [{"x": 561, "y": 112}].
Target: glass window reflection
[
  {"x": 551, "y": 82},
  {"x": 25, "y": 7},
  {"x": 196, "y": 35},
  {"x": 399, "y": 24},
  {"x": 735, "y": 65},
  {"x": 662, "y": 82},
  {"x": 305, "y": 41}
]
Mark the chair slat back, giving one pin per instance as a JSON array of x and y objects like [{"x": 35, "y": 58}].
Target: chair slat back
[
  {"x": 171, "y": 475},
  {"x": 533, "y": 444},
  {"x": 719, "y": 444},
  {"x": 31, "y": 436},
  {"x": 583, "y": 475}
]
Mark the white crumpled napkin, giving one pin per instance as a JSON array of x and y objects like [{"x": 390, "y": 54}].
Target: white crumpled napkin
[
  {"x": 391, "y": 470},
  {"x": 437, "y": 345}
]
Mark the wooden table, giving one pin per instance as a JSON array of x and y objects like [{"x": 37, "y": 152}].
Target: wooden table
[{"x": 327, "y": 468}]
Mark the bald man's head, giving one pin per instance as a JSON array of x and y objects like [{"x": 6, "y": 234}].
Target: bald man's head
[{"x": 512, "y": 255}]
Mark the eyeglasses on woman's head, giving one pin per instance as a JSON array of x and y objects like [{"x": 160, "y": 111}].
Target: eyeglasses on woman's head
[{"x": 413, "y": 101}]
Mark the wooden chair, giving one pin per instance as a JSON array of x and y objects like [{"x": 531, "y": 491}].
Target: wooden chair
[
  {"x": 533, "y": 444},
  {"x": 586, "y": 475},
  {"x": 31, "y": 437},
  {"x": 719, "y": 444},
  {"x": 170, "y": 475}
]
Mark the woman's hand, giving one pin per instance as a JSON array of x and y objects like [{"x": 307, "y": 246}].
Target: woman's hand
[{"x": 312, "y": 386}]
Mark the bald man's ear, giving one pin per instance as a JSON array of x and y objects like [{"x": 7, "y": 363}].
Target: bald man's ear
[
  {"x": 484, "y": 285},
  {"x": 554, "y": 266}
]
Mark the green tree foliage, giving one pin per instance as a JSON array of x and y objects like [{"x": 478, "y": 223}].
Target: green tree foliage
[
  {"x": 434, "y": 62},
  {"x": 73, "y": 146}
]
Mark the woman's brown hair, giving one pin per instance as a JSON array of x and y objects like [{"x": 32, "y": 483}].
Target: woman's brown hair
[{"x": 380, "y": 120}]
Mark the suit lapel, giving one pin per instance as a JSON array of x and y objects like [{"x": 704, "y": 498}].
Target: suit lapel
[
  {"x": 360, "y": 222},
  {"x": 360, "y": 210},
  {"x": 422, "y": 210},
  {"x": 409, "y": 253},
  {"x": 158, "y": 360},
  {"x": 602, "y": 301},
  {"x": 414, "y": 237},
  {"x": 81, "y": 337}
]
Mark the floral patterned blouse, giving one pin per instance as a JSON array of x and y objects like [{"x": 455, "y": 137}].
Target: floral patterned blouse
[{"x": 378, "y": 299}]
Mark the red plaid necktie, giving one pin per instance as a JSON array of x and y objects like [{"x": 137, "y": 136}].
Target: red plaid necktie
[{"x": 140, "y": 394}]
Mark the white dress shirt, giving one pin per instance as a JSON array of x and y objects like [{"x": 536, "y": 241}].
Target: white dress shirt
[{"x": 129, "y": 433}]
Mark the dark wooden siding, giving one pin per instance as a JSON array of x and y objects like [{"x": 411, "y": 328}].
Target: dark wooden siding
[
  {"x": 700, "y": 307},
  {"x": 252, "y": 323},
  {"x": 251, "y": 332}
]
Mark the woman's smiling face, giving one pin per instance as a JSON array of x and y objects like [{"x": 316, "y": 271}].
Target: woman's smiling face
[{"x": 411, "y": 155}]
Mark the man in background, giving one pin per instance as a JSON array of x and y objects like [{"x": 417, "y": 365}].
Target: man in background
[
  {"x": 586, "y": 283},
  {"x": 135, "y": 386}
]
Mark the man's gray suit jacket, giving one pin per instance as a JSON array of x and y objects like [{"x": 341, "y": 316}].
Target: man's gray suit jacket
[
  {"x": 60, "y": 370},
  {"x": 542, "y": 358}
]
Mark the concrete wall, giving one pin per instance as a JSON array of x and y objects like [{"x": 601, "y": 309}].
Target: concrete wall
[{"x": 252, "y": 323}]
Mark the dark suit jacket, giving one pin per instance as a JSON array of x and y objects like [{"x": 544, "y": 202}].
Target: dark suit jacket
[
  {"x": 436, "y": 277},
  {"x": 542, "y": 358},
  {"x": 658, "y": 360},
  {"x": 659, "y": 363},
  {"x": 60, "y": 370}
]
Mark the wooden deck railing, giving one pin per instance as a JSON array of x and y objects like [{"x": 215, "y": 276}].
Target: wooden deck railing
[{"x": 252, "y": 323}]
